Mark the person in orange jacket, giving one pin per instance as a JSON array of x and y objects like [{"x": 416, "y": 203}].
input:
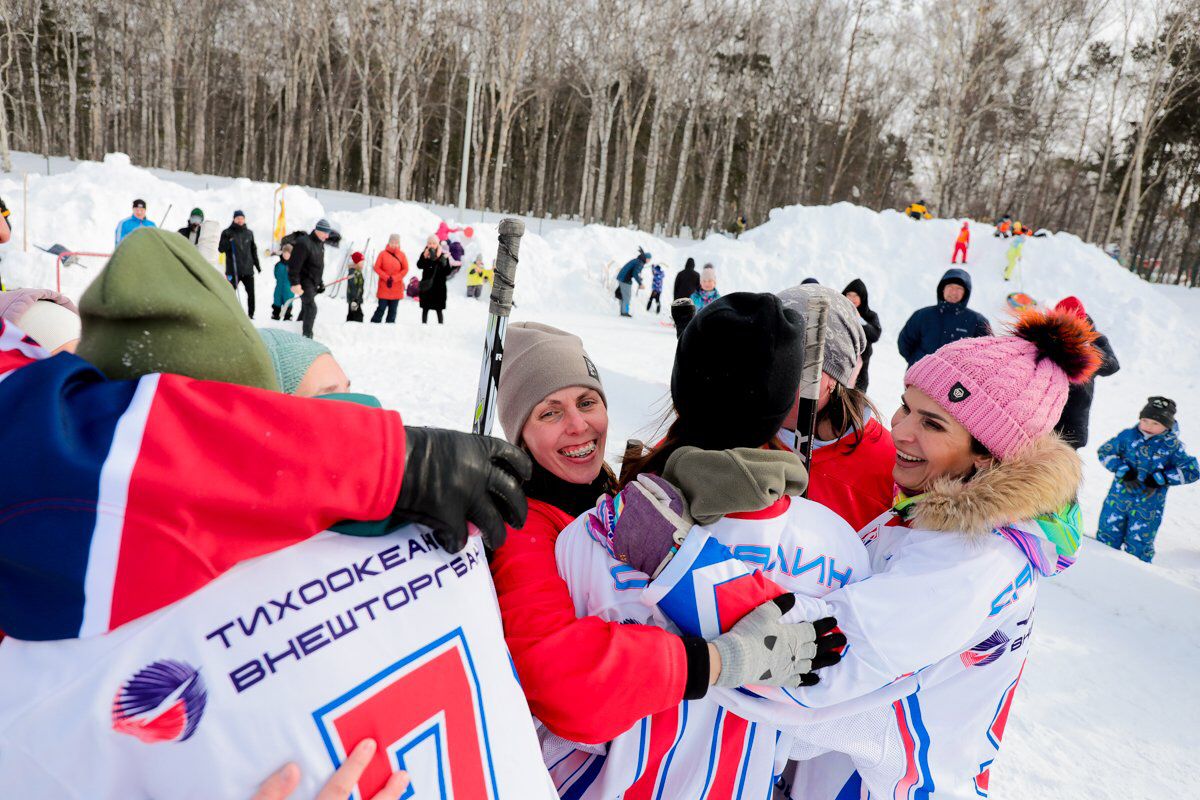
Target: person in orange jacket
[
  {"x": 960, "y": 246},
  {"x": 391, "y": 265}
]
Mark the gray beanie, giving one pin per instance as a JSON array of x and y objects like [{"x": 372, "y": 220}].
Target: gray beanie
[
  {"x": 844, "y": 336},
  {"x": 538, "y": 361}
]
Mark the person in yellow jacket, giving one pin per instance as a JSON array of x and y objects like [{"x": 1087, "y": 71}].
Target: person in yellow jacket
[
  {"x": 917, "y": 210},
  {"x": 476, "y": 276}
]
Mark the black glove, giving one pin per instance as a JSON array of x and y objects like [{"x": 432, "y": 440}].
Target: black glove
[
  {"x": 258, "y": 269},
  {"x": 321, "y": 287},
  {"x": 1131, "y": 480},
  {"x": 452, "y": 478},
  {"x": 389, "y": 283}
]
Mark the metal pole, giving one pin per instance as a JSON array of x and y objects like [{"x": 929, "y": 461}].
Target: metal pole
[
  {"x": 466, "y": 154},
  {"x": 25, "y": 221}
]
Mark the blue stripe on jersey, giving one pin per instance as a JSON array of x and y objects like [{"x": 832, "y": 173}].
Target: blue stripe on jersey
[
  {"x": 74, "y": 411},
  {"x": 641, "y": 751},
  {"x": 679, "y": 603},
  {"x": 852, "y": 790},
  {"x": 774, "y": 777},
  {"x": 662, "y": 776},
  {"x": 746, "y": 760},
  {"x": 925, "y": 790},
  {"x": 712, "y": 751},
  {"x": 586, "y": 780}
]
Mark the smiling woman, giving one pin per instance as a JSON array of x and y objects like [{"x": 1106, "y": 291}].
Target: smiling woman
[{"x": 931, "y": 444}]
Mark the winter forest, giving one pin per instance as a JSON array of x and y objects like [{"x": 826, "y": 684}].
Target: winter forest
[{"x": 1075, "y": 115}]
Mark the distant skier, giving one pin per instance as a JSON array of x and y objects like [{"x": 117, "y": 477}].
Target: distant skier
[
  {"x": 134, "y": 221},
  {"x": 283, "y": 297},
  {"x": 191, "y": 231},
  {"x": 355, "y": 288},
  {"x": 960, "y": 245},
  {"x": 932, "y": 327},
  {"x": 1014, "y": 254},
  {"x": 1146, "y": 459},
  {"x": 1073, "y": 424},
  {"x": 686, "y": 281},
  {"x": 707, "y": 293},
  {"x": 631, "y": 272},
  {"x": 656, "y": 287},
  {"x": 1003, "y": 227},
  {"x": 241, "y": 257},
  {"x": 918, "y": 210}
]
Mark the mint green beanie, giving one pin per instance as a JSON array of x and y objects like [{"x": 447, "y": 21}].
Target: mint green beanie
[{"x": 291, "y": 356}]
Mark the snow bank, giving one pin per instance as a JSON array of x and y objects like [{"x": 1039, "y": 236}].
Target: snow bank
[{"x": 1109, "y": 708}]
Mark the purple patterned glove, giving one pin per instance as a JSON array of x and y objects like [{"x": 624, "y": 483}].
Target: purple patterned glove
[{"x": 643, "y": 525}]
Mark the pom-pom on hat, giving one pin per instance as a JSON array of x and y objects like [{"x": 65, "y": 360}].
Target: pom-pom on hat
[{"x": 1008, "y": 391}]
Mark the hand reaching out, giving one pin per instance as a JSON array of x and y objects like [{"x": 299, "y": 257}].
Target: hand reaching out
[{"x": 281, "y": 784}]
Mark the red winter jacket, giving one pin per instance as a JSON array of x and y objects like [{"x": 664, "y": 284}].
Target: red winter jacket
[
  {"x": 856, "y": 484},
  {"x": 586, "y": 679},
  {"x": 391, "y": 263}
]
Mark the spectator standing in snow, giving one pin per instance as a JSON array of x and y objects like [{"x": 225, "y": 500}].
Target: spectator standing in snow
[
  {"x": 687, "y": 281},
  {"x": 707, "y": 292},
  {"x": 134, "y": 221},
  {"x": 241, "y": 257},
  {"x": 918, "y": 210},
  {"x": 1146, "y": 459},
  {"x": 656, "y": 287},
  {"x": 477, "y": 276},
  {"x": 283, "y": 297},
  {"x": 960, "y": 244},
  {"x": 1073, "y": 424},
  {"x": 306, "y": 271},
  {"x": 853, "y": 455},
  {"x": 932, "y": 327},
  {"x": 631, "y": 272},
  {"x": 435, "y": 270},
  {"x": 856, "y": 293},
  {"x": 303, "y": 367},
  {"x": 355, "y": 285},
  {"x": 391, "y": 265},
  {"x": 191, "y": 231}
]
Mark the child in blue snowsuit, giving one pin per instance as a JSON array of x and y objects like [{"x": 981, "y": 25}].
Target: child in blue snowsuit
[
  {"x": 283, "y": 298},
  {"x": 1147, "y": 459},
  {"x": 656, "y": 289}
]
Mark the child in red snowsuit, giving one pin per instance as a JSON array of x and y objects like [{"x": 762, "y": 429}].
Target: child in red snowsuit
[{"x": 960, "y": 246}]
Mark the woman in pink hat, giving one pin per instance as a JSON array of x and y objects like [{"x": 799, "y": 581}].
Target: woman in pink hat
[{"x": 938, "y": 635}]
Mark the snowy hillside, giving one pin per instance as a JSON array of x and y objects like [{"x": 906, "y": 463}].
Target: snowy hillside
[{"x": 1109, "y": 707}]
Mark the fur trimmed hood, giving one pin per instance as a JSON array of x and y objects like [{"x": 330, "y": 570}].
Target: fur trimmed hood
[{"x": 1039, "y": 479}]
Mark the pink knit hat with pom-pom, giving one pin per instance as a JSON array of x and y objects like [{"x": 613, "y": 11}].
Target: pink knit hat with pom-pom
[{"x": 1010, "y": 390}]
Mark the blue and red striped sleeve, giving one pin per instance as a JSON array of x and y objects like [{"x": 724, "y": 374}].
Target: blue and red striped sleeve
[{"x": 121, "y": 497}]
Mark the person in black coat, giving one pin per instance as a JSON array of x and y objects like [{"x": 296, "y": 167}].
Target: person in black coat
[
  {"x": 241, "y": 257},
  {"x": 435, "y": 270},
  {"x": 856, "y": 293},
  {"x": 306, "y": 271},
  {"x": 687, "y": 282},
  {"x": 932, "y": 327},
  {"x": 1073, "y": 424},
  {"x": 191, "y": 231}
]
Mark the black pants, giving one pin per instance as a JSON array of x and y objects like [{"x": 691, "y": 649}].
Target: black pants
[
  {"x": 655, "y": 297},
  {"x": 248, "y": 282},
  {"x": 385, "y": 305},
  {"x": 425, "y": 315},
  {"x": 308, "y": 308}
]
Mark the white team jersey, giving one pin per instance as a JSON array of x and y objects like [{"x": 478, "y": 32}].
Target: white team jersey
[
  {"x": 294, "y": 656},
  {"x": 938, "y": 635},
  {"x": 698, "y": 749}
]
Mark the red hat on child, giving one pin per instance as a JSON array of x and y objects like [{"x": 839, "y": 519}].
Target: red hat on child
[
  {"x": 1072, "y": 304},
  {"x": 357, "y": 257}
]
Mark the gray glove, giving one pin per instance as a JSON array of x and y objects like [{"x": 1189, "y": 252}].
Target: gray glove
[{"x": 762, "y": 651}]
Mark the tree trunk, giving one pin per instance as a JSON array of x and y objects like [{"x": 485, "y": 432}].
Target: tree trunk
[
  {"x": 685, "y": 150},
  {"x": 650, "y": 179}
]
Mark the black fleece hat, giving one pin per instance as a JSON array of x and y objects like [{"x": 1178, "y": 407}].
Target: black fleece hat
[
  {"x": 737, "y": 370},
  {"x": 1159, "y": 409}
]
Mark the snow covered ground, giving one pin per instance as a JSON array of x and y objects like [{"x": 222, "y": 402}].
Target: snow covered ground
[{"x": 1109, "y": 706}]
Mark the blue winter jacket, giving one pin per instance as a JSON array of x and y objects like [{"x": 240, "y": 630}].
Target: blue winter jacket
[
  {"x": 657, "y": 283},
  {"x": 1160, "y": 458},
  {"x": 932, "y": 327},
  {"x": 632, "y": 272},
  {"x": 283, "y": 288},
  {"x": 129, "y": 225}
]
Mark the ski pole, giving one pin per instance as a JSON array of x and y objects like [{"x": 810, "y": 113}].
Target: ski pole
[
  {"x": 815, "y": 318},
  {"x": 503, "y": 280},
  {"x": 163, "y": 221}
]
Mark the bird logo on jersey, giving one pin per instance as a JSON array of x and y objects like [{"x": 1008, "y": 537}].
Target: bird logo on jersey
[
  {"x": 163, "y": 702},
  {"x": 986, "y": 651}
]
